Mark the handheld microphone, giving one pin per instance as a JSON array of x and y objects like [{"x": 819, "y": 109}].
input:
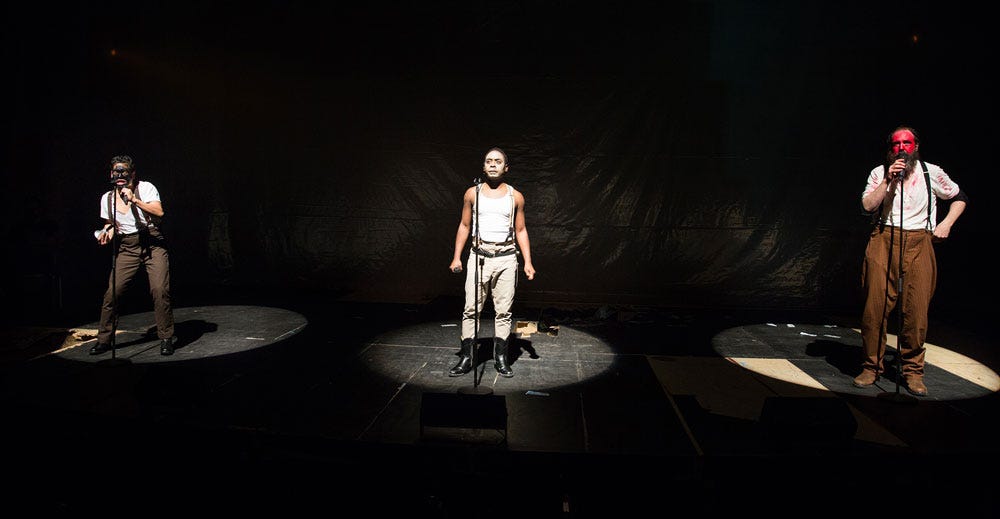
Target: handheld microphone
[
  {"x": 120, "y": 178},
  {"x": 902, "y": 154},
  {"x": 118, "y": 189}
]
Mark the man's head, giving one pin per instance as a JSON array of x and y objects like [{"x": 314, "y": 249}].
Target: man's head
[
  {"x": 904, "y": 140},
  {"x": 495, "y": 164},
  {"x": 122, "y": 170}
]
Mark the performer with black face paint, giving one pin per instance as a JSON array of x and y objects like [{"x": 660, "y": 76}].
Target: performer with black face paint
[
  {"x": 133, "y": 211},
  {"x": 911, "y": 228}
]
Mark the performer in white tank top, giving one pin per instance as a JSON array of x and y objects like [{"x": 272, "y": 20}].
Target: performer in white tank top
[{"x": 493, "y": 214}]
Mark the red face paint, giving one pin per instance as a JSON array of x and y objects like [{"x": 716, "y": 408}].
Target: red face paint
[{"x": 903, "y": 140}]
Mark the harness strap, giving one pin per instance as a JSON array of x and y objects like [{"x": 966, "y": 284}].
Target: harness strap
[{"x": 510, "y": 222}]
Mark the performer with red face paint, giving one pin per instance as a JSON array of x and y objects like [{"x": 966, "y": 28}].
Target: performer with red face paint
[
  {"x": 133, "y": 211},
  {"x": 908, "y": 230}
]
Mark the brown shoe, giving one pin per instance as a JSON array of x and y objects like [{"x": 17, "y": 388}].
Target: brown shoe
[
  {"x": 865, "y": 379},
  {"x": 915, "y": 385}
]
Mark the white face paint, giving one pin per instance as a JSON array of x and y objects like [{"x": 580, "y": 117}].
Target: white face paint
[{"x": 494, "y": 166}]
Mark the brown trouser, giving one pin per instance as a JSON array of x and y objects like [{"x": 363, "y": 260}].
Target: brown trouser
[
  {"x": 135, "y": 250},
  {"x": 880, "y": 278}
]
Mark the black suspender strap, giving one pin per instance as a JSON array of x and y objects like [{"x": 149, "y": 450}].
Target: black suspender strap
[
  {"x": 927, "y": 180},
  {"x": 513, "y": 206}
]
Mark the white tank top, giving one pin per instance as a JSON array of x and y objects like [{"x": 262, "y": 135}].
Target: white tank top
[{"x": 496, "y": 216}]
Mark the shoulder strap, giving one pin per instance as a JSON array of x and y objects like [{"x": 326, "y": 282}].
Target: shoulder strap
[
  {"x": 930, "y": 195},
  {"x": 476, "y": 239},
  {"x": 513, "y": 207},
  {"x": 139, "y": 223}
]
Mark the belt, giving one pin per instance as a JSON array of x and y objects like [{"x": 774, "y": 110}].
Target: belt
[
  {"x": 893, "y": 228},
  {"x": 488, "y": 254}
]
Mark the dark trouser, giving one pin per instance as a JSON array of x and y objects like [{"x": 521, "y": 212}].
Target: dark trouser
[
  {"x": 135, "y": 250},
  {"x": 880, "y": 277}
]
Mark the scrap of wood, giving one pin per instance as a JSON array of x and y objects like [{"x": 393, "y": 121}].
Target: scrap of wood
[{"x": 526, "y": 328}]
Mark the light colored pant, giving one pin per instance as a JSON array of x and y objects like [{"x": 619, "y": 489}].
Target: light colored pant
[
  {"x": 880, "y": 277},
  {"x": 499, "y": 279}
]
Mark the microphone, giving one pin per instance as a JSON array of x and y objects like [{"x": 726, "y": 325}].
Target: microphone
[
  {"x": 902, "y": 154},
  {"x": 478, "y": 180}
]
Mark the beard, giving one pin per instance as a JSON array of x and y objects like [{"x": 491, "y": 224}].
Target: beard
[{"x": 911, "y": 159}]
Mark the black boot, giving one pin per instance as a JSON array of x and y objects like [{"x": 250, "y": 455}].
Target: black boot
[
  {"x": 464, "y": 359},
  {"x": 167, "y": 346},
  {"x": 500, "y": 358}
]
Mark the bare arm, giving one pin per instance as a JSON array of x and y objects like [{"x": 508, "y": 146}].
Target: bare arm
[
  {"x": 521, "y": 234},
  {"x": 464, "y": 229},
  {"x": 154, "y": 208}
]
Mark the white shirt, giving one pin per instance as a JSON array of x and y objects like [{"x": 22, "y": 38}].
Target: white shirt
[
  {"x": 914, "y": 192},
  {"x": 126, "y": 221}
]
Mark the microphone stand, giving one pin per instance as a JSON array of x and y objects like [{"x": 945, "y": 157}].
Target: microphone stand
[
  {"x": 115, "y": 240},
  {"x": 897, "y": 396},
  {"x": 477, "y": 375}
]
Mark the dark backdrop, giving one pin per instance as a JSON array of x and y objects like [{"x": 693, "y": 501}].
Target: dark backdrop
[{"x": 700, "y": 153}]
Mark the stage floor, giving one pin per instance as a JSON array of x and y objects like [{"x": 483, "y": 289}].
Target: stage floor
[{"x": 610, "y": 410}]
